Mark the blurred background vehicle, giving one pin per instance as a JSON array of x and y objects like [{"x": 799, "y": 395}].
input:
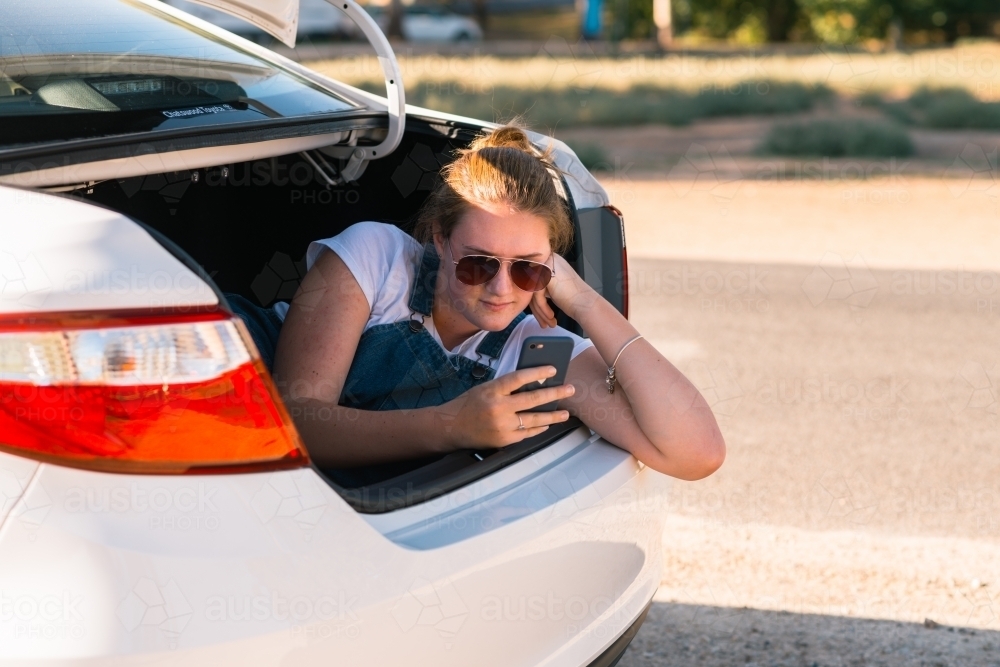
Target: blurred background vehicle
[{"x": 320, "y": 20}]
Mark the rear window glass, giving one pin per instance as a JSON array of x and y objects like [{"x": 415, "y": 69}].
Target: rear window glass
[{"x": 90, "y": 68}]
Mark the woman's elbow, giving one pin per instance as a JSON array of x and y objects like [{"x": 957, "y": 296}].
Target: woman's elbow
[
  {"x": 693, "y": 460},
  {"x": 712, "y": 456}
]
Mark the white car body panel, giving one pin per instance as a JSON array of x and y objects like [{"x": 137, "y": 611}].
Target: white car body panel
[
  {"x": 263, "y": 568},
  {"x": 58, "y": 254}
]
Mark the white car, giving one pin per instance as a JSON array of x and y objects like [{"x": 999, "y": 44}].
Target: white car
[
  {"x": 156, "y": 503},
  {"x": 421, "y": 23},
  {"x": 429, "y": 23}
]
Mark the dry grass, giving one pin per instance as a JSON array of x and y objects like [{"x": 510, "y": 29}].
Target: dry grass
[
  {"x": 534, "y": 25},
  {"x": 559, "y": 66}
]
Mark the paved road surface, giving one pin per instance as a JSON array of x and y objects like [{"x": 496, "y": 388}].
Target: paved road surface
[{"x": 863, "y": 477}]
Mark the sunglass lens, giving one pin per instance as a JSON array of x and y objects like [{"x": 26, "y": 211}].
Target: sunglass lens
[
  {"x": 476, "y": 269},
  {"x": 530, "y": 276}
]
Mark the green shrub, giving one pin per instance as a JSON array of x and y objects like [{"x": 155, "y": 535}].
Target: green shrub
[
  {"x": 901, "y": 112},
  {"x": 593, "y": 156},
  {"x": 956, "y": 112},
  {"x": 945, "y": 109},
  {"x": 838, "y": 138},
  {"x": 870, "y": 99}
]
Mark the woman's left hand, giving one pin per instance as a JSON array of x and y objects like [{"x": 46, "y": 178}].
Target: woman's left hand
[{"x": 567, "y": 290}]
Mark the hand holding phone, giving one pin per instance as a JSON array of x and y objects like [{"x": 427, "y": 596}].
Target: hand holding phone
[{"x": 545, "y": 351}]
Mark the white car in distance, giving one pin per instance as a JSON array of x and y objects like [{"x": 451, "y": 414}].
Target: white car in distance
[
  {"x": 429, "y": 23},
  {"x": 318, "y": 18}
]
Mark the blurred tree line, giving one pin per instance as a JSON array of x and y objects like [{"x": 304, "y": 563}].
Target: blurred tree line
[{"x": 830, "y": 21}]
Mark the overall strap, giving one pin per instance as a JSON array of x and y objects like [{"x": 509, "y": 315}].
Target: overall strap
[
  {"x": 492, "y": 344},
  {"x": 422, "y": 299}
]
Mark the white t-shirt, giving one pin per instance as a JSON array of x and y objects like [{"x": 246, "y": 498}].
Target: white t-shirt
[{"x": 384, "y": 260}]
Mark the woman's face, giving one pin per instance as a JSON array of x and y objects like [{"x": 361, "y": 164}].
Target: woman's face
[{"x": 500, "y": 232}]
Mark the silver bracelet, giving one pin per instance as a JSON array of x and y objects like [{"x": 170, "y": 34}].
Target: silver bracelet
[{"x": 611, "y": 380}]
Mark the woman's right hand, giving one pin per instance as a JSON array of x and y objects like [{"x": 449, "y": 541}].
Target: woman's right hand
[{"x": 487, "y": 415}]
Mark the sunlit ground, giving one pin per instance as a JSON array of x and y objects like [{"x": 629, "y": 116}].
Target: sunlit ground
[{"x": 845, "y": 332}]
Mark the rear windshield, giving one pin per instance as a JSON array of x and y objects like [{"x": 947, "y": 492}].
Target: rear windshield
[{"x": 90, "y": 68}]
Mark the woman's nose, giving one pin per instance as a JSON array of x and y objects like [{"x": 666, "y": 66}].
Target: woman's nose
[{"x": 501, "y": 285}]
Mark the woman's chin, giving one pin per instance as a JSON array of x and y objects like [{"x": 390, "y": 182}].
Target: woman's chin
[{"x": 493, "y": 319}]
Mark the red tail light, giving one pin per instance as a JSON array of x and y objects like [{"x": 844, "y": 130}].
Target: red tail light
[{"x": 141, "y": 394}]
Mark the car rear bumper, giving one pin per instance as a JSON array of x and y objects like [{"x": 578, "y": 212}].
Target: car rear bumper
[
  {"x": 614, "y": 653},
  {"x": 546, "y": 562}
]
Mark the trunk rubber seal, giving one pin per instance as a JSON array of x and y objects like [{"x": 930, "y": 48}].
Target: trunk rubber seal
[{"x": 444, "y": 475}]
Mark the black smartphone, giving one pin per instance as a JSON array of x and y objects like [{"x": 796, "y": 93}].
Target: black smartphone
[{"x": 545, "y": 351}]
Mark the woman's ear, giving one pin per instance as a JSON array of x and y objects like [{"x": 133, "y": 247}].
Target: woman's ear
[{"x": 439, "y": 243}]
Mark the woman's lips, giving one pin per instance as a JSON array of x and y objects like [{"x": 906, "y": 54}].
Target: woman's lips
[{"x": 495, "y": 307}]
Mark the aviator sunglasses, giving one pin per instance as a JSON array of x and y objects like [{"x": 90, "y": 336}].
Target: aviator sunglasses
[{"x": 526, "y": 275}]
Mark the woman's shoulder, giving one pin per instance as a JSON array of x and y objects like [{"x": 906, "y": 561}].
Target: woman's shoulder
[
  {"x": 381, "y": 239},
  {"x": 378, "y": 233}
]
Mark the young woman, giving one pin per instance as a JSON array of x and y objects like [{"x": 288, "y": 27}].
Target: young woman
[{"x": 396, "y": 347}]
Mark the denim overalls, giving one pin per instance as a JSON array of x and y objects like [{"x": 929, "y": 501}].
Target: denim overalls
[
  {"x": 397, "y": 365},
  {"x": 400, "y": 366}
]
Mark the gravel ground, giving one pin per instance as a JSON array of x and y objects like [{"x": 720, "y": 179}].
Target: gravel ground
[
  {"x": 717, "y": 637},
  {"x": 855, "y": 372}
]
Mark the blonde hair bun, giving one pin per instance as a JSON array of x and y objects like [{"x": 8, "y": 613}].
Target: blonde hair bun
[
  {"x": 507, "y": 136},
  {"x": 501, "y": 166}
]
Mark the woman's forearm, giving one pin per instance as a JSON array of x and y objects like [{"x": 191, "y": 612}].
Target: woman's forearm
[
  {"x": 667, "y": 407},
  {"x": 346, "y": 437}
]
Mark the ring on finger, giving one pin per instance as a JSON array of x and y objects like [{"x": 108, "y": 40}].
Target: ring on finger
[{"x": 520, "y": 424}]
